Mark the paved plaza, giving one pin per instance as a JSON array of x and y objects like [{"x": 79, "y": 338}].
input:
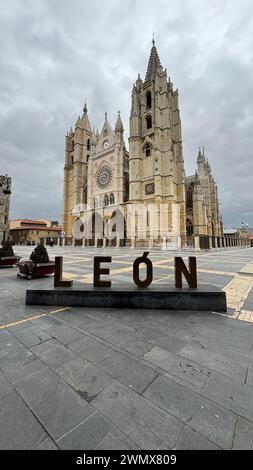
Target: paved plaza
[{"x": 81, "y": 378}]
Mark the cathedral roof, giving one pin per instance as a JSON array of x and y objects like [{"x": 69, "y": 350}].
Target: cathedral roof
[
  {"x": 107, "y": 126},
  {"x": 106, "y": 135},
  {"x": 153, "y": 64}
]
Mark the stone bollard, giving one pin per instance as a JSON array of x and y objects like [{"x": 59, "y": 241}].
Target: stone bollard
[
  {"x": 196, "y": 243},
  {"x": 164, "y": 244},
  {"x": 179, "y": 242}
]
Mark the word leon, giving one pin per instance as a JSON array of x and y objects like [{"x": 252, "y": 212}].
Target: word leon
[{"x": 189, "y": 273}]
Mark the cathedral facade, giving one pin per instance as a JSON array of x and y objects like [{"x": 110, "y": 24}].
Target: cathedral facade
[
  {"x": 146, "y": 184},
  {"x": 202, "y": 202}
]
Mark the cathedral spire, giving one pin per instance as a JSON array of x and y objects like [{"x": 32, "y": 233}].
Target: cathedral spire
[
  {"x": 85, "y": 119},
  {"x": 208, "y": 166},
  {"x": 78, "y": 122},
  {"x": 200, "y": 158},
  {"x": 196, "y": 178},
  {"x": 119, "y": 124},
  {"x": 153, "y": 64}
]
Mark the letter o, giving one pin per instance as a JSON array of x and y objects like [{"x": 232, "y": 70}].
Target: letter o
[{"x": 136, "y": 275}]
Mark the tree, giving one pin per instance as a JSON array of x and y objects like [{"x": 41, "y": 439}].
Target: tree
[{"x": 6, "y": 251}]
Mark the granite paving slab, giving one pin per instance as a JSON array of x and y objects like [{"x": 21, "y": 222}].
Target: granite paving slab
[
  {"x": 192, "y": 440},
  {"x": 187, "y": 370},
  {"x": 91, "y": 349},
  {"x": 218, "y": 362},
  {"x": 131, "y": 412},
  {"x": 243, "y": 435},
  {"x": 56, "y": 405},
  {"x": 15, "y": 417},
  {"x": 212, "y": 421},
  {"x": 128, "y": 371},
  {"x": 87, "y": 435},
  {"x": 87, "y": 379}
]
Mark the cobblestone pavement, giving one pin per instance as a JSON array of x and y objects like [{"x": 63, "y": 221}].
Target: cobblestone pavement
[{"x": 75, "y": 378}]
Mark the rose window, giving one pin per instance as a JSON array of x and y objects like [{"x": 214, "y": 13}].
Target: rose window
[{"x": 104, "y": 177}]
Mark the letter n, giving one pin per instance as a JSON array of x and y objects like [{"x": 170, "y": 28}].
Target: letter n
[{"x": 190, "y": 275}]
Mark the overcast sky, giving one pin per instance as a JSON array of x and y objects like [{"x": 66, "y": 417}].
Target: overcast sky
[{"x": 57, "y": 53}]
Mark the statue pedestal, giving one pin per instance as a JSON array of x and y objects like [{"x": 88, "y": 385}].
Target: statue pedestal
[{"x": 161, "y": 297}]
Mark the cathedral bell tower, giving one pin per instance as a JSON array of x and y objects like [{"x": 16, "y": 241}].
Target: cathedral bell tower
[
  {"x": 77, "y": 153},
  {"x": 156, "y": 166}
]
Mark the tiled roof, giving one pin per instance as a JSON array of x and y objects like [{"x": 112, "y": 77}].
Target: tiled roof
[
  {"x": 37, "y": 222},
  {"x": 34, "y": 227}
]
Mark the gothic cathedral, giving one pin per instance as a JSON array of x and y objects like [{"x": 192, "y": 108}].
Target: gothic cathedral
[{"x": 101, "y": 175}]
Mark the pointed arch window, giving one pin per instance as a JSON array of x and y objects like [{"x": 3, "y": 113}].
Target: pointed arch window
[
  {"x": 149, "y": 122},
  {"x": 106, "y": 200},
  {"x": 99, "y": 202},
  {"x": 111, "y": 199},
  {"x": 148, "y": 150},
  {"x": 88, "y": 144},
  {"x": 189, "y": 195},
  {"x": 148, "y": 100},
  {"x": 189, "y": 228}
]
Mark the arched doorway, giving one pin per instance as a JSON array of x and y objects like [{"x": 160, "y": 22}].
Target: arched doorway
[
  {"x": 118, "y": 228},
  {"x": 95, "y": 230}
]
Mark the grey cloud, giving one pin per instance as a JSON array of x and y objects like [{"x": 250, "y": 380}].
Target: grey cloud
[{"x": 56, "y": 53}]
